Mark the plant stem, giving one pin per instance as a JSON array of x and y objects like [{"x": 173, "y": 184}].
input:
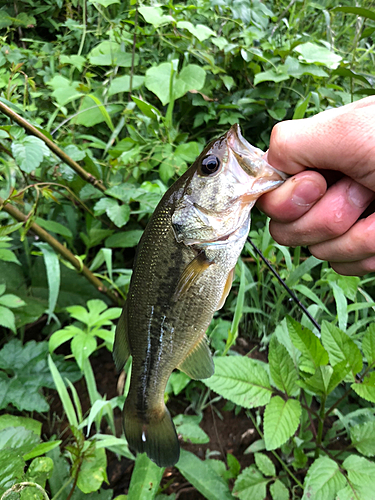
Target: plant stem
[
  {"x": 86, "y": 176},
  {"x": 58, "y": 247},
  {"x": 319, "y": 435}
]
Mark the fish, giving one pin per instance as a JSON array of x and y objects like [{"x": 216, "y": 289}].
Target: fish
[{"x": 183, "y": 272}]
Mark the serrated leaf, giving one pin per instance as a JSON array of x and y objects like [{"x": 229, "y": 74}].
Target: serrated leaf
[
  {"x": 282, "y": 369},
  {"x": 361, "y": 474},
  {"x": 203, "y": 477},
  {"x": 279, "y": 491},
  {"x": 323, "y": 481},
  {"x": 326, "y": 378},
  {"x": 250, "y": 484},
  {"x": 366, "y": 389},
  {"x": 368, "y": 344},
  {"x": 29, "y": 153},
  {"x": 313, "y": 353},
  {"x": 340, "y": 347},
  {"x": 265, "y": 464},
  {"x": 281, "y": 420},
  {"x": 241, "y": 380},
  {"x": 363, "y": 438},
  {"x": 25, "y": 372}
]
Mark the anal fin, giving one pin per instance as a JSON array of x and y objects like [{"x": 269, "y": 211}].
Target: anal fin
[
  {"x": 190, "y": 274},
  {"x": 121, "y": 347},
  {"x": 227, "y": 287},
  {"x": 199, "y": 363}
]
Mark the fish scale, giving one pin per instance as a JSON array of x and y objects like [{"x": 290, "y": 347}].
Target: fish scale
[{"x": 182, "y": 274}]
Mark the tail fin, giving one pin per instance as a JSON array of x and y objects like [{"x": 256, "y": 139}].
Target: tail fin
[{"x": 157, "y": 437}]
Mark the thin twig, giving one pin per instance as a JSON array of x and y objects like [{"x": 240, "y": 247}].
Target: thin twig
[
  {"x": 58, "y": 247},
  {"x": 52, "y": 146},
  {"x": 282, "y": 282}
]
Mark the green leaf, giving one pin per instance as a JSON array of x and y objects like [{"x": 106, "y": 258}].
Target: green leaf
[
  {"x": 282, "y": 369},
  {"x": 145, "y": 479},
  {"x": 323, "y": 481},
  {"x": 203, "y": 477},
  {"x": 124, "y": 240},
  {"x": 93, "y": 471},
  {"x": 106, "y": 3},
  {"x": 16, "y": 421},
  {"x": 10, "y": 228},
  {"x": 188, "y": 151},
  {"x": 24, "y": 440},
  {"x": 340, "y": 347},
  {"x": 358, "y": 11},
  {"x": 8, "y": 256},
  {"x": 325, "y": 379},
  {"x": 29, "y": 153},
  {"x": 187, "y": 426},
  {"x": 313, "y": 353},
  {"x": 122, "y": 84},
  {"x": 155, "y": 16},
  {"x": 361, "y": 474},
  {"x": 366, "y": 389},
  {"x": 54, "y": 227},
  {"x": 281, "y": 420},
  {"x": 265, "y": 464},
  {"x": 11, "y": 468},
  {"x": 75, "y": 60},
  {"x": 241, "y": 380},
  {"x": 41, "y": 449},
  {"x": 119, "y": 214},
  {"x": 317, "y": 54},
  {"x": 270, "y": 76},
  {"x": 61, "y": 336},
  {"x": 349, "y": 285},
  {"x": 302, "y": 269},
  {"x": 147, "y": 109},
  {"x": 199, "y": 31},
  {"x": 82, "y": 345},
  {"x": 110, "y": 53},
  {"x": 103, "y": 111},
  {"x": 39, "y": 471},
  {"x": 52, "y": 264},
  {"x": 363, "y": 438},
  {"x": 341, "y": 304},
  {"x": 250, "y": 484},
  {"x": 368, "y": 344},
  {"x": 7, "y": 319},
  {"x": 279, "y": 491},
  {"x": 63, "y": 393},
  {"x": 192, "y": 77},
  {"x": 301, "y": 108}
]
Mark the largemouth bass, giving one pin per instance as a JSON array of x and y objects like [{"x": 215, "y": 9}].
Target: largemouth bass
[{"x": 183, "y": 273}]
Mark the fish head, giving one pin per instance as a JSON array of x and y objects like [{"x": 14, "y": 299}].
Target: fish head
[{"x": 222, "y": 186}]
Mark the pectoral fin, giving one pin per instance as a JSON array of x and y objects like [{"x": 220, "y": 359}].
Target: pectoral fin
[
  {"x": 191, "y": 274},
  {"x": 199, "y": 363},
  {"x": 121, "y": 347},
  {"x": 227, "y": 287}
]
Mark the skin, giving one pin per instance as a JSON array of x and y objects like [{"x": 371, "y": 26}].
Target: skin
[{"x": 338, "y": 146}]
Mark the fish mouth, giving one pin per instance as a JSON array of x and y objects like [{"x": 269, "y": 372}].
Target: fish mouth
[{"x": 251, "y": 160}]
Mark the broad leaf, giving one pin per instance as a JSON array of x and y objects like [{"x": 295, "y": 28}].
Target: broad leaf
[
  {"x": 282, "y": 369},
  {"x": 279, "y": 491},
  {"x": 187, "y": 426},
  {"x": 241, "y": 380},
  {"x": 127, "y": 239},
  {"x": 7, "y": 319},
  {"x": 326, "y": 378},
  {"x": 29, "y": 153},
  {"x": 341, "y": 347},
  {"x": 250, "y": 484},
  {"x": 281, "y": 420},
  {"x": 313, "y": 353},
  {"x": 361, "y": 474},
  {"x": 313, "y": 53},
  {"x": 83, "y": 345},
  {"x": 93, "y": 471},
  {"x": 363, "y": 438},
  {"x": 368, "y": 344},
  {"x": 203, "y": 477},
  {"x": 323, "y": 481},
  {"x": 199, "y": 31},
  {"x": 155, "y": 16},
  {"x": 26, "y": 372},
  {"x": 11, "y": 468},
  {"x": 265, "y": 464},
  {"x": 366, "y": 389},
  {"x": 145, "y": 478}
]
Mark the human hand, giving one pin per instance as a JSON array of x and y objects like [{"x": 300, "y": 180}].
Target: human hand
[{"x": 303, "y": 211}]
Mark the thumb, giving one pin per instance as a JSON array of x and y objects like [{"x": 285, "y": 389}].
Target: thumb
[{"x": 341, "y": 139}]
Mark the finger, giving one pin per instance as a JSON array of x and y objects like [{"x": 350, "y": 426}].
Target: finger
[
  {"x": 293, "y": 198},
  {"x": 356, "y": 244},
  {"x": 338, "y": 139},
  {"x": 329, "y": 218},
  {"x": 358, "y": 268}
]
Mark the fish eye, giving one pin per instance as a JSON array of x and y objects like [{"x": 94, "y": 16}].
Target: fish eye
[{"x": 209, "y": 165}]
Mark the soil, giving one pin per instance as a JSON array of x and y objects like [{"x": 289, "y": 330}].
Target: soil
[{"x": 228, "y": 433}]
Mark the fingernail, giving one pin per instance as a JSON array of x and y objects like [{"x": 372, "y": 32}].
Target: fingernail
[
  {"x": 359, "y": 195},
  {"x": 306, "y": 192}
]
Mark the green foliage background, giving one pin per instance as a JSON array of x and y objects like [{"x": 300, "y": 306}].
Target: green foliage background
[{"x": 132, "y": 92}]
